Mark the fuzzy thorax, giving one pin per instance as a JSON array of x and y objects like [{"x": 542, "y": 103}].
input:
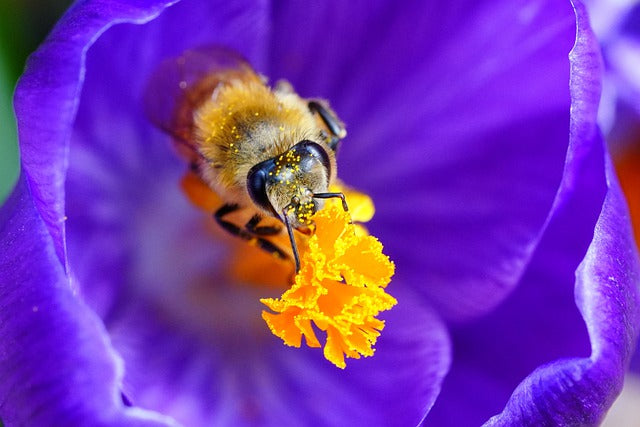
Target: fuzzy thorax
[{"x": 243, "y": 124}]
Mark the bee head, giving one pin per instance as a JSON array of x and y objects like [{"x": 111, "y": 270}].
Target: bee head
[{"x": 285, "y": 185}]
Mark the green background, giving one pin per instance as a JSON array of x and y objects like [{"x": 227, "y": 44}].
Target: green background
[{"x": 23, "y": 26}]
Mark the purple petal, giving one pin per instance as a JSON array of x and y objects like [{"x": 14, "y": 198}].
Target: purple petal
[
  {"x": 56, "y": 363},
  {"x": 580, "y": 391},
  {"x": 539, "y": 322},
  {"x": 457, "y": 117},
  {"x": 231, "y": 370},
  {"x": 538, "y": 328},
  {"x": 46, "y": 99}
]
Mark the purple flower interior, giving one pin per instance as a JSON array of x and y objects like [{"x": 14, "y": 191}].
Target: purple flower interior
[
  {"x": 194, "y": 344},
  {"x": 475, "y": 197},
  {"x": 459, "y": 119}
]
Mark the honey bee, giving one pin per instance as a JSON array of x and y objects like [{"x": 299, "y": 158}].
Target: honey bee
[{"x": 259, "y": 148}]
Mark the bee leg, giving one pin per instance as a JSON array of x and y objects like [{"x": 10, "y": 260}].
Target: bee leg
[
  {"x": 335, "y": 126},
  {"x": 292, "y": 239},
  {"x": 235, "y": 230},
  {"x": 332, "y": 195},
  {"x": 252, "y": 226}
]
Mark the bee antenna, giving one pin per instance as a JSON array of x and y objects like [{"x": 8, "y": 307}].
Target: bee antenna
[
  {"x": 292, "y": 238},
  {"x": 332, "y": 195}
]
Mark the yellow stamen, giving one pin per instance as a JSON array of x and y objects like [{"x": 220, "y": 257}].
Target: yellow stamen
[{"x": 339, "y": 288}]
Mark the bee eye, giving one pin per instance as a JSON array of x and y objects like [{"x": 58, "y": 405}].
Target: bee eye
[
  {"x": 310, "y": 149},
  {"x": 257, "y": 183}
]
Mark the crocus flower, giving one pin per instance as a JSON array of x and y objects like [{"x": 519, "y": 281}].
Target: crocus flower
[{"x": 472, "y": 125}]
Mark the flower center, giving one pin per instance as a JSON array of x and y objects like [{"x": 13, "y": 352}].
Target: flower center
[{"x": 340, "y": 288}]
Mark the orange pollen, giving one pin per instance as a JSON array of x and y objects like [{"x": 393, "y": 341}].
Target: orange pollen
[{"x": 339, "y": 289}]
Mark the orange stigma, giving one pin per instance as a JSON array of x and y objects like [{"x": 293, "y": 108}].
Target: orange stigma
[{"x": 339, "y": 289}]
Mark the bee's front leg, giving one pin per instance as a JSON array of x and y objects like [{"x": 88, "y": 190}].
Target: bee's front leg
[
  {"x": 235, "y": 230},
  {"x": 267, "y": 230}
]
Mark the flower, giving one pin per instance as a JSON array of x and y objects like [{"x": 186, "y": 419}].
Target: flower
[{"x": 117, "y": 304}]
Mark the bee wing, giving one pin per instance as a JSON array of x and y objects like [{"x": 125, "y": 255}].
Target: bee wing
[{"x": 180, "y": 85}]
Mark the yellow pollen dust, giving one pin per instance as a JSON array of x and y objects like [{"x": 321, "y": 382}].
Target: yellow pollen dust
[{"x": 339, "y": 289}]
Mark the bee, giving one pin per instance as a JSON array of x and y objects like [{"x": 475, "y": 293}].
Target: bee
[{"x": 259, "y": 148}]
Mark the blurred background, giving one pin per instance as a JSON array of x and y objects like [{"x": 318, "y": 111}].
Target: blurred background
[{"x": 25, "y": 23}]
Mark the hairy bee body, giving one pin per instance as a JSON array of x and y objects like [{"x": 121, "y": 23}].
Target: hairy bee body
[
  {"x": 245, "y": 123},
  {"x": 259, "y": 148}
]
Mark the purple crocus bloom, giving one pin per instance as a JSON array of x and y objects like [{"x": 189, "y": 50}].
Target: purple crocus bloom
[{"x": 471, "y": 124}]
